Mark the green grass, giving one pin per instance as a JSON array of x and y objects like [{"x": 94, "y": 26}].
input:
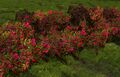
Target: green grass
[
  {"x": 9, "y": 7},
  {"x": 107, "y": 61},
  {"x": 105, "y": 64}
]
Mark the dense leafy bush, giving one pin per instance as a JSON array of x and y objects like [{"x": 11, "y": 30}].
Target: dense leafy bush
[
  {"x": 104, "y": 18},
  {"x": 24, "y": 16},
  {"x": 112, "y": 16},
  {"x": 16, "y": 45},
  {"x": 43, "y": 35},
  {"x": 53, "y": 19},
  {"x": 77, "y": 13}
]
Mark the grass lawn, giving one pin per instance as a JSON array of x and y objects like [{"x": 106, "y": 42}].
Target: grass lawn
[{"x": 105, "y": 64}]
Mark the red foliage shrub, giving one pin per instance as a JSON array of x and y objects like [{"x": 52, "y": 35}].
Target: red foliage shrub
[
  {"x": 17, "y": 39},
  {"x": 21, "y": 44},
  {"x": 53, "y": 19},
  {"x": 111, "y": 13},
  {"x": 78, "y": 13},
  {"x": 24, "y": 16}
]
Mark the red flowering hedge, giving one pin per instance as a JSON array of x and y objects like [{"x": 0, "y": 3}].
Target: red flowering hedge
[{"x": 54, "y": 34}]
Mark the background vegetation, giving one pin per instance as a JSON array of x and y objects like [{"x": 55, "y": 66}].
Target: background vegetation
[{"x": 8, "y": 8}]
